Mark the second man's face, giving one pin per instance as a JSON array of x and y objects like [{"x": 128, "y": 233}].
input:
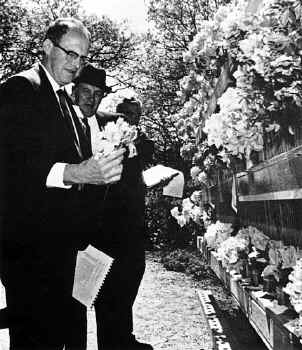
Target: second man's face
[{"x": 88, "y": 98}]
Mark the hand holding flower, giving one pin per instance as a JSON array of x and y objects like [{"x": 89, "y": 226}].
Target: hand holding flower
[{"x": 116, "y": 135}]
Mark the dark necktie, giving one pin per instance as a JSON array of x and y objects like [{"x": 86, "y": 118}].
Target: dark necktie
[
  {"x": 86, "y": 128},
  {"x": 80, "y": 139}
]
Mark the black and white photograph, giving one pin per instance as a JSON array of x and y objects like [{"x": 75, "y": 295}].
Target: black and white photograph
[{"x": 150, "y": 174}]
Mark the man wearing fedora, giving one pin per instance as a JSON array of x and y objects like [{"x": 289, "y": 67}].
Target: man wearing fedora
[{"x": 119, "y": 235}]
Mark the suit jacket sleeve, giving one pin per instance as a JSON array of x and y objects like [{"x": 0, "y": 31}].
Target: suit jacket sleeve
[{"x": 27, "y": 152}]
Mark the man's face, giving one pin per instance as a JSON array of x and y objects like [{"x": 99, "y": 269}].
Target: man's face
[
  {"x": 88, "y": 98},
  {"x": 133, "y": 113},
  {"x": 60, "y": 66}
]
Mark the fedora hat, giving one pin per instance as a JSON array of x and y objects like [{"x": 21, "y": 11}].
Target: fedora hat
[{"x": 93, "y": 76}]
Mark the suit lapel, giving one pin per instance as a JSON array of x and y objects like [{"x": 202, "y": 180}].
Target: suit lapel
[{"x": 53, "y": 109}]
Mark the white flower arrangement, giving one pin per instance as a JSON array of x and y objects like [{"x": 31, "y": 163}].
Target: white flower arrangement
[
  {"x": 178, "y": 216},
  {"x": 191, "y": 210},
  {"x": 116, "y": 135},
  {"x": 257, "y": 238},
  {"x": 230, "y": 248},
  {"x": 196, "y": 197},
  {"x": 267, "y": 47},
  {"x": 194, "y": 172},
  {"x": 294, "y": 287},
  {"x": 216, "y": 233},
  {"x": 232, "y": 127}
]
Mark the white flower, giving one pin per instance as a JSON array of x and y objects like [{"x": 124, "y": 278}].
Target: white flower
[
  {"x": 175, "y": 212},
  {"x": 115, "y": 135},
  {"x": 196, "y": 197},
  {"x": 229, "y": 249},
  {"x": 181, "y": 220},
  {"x": 187, "y": 204},
  {"x": 202, "y": 177},
  {"x": 196, "y": 214},
  {"x": 195, "y": 170},
  {"x": 254, "y": 253},
  {"x": 103, "y": 147},
  {"x": 217, "y": 233}
]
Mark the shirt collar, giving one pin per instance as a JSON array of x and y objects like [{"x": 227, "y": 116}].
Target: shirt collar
[
  {"x": 80, "y": 114},
  {"x": 53, "y": 83}
]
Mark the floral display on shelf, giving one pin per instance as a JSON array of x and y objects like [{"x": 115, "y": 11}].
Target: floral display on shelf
[
  {"x": 294, "y": 288},
  {"x": 265, "y": 50},
  {"x": 198, "y": 176},
  {"x": 230, "y": 249},
  {"x": 191, "y": 210},
  {"x": 206, "y": 160},
  {"x": 258, "y": 239},
  {"x": 196, "y": 197},
  {"x": 232, "y": 128},
  {"x": 216, "y": 233}
]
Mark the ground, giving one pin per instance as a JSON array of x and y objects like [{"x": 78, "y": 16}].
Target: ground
[{"x": 167, "y": 312}]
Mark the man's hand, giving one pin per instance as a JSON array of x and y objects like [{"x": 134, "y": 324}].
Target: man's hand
[{"x": 105, "y": 170}]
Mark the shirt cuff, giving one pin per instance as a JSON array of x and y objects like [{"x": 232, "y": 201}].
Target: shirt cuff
[{"x": 56, "y": 176}]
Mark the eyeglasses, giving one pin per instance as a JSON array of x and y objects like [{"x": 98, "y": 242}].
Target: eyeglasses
[
  {"x": 87, "y": 93},
  {"x": 72, "y": 56}
]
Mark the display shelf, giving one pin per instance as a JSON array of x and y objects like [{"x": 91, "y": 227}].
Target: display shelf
[{"x": 269, "y": 319}]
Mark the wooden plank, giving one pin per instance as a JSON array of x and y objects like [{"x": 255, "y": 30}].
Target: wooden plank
[
  {"x": 268, "y": 321},
  {"x": 280, "y": 220},
  {"x": 273, "y": 196},
  {"x": 279, "y": 174},
  {"x": 262, "y": 323}
]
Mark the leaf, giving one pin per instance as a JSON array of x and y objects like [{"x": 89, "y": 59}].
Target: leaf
[
  {"x": 285, "y": 18},
  {"x": 298, "y": 11}
]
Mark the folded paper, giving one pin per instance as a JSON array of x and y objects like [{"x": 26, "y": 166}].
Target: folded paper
[
  {"x": 171, "y": 179},
  {"x": 92, "y": 266}
]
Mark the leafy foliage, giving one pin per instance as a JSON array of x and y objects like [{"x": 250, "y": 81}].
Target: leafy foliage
[
  {"x": 162, "y": 229},
  {"x": 23, "y": 26},
  {"x": 191, "y": 262}
]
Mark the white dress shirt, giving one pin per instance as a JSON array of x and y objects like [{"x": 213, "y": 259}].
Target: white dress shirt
[{"x": 56, "y": 174}]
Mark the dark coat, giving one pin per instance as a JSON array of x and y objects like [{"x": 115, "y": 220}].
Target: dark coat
[
  {"x": 42, "y": 227},
  {"x": 122, "y": 220}
]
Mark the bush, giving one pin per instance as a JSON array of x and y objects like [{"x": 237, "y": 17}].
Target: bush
[
  {"x": 162, "y": 229},
  {"x": 188, "y": 261}
]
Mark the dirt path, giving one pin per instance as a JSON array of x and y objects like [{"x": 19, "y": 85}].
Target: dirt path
[{"x": 167, "y": 312}]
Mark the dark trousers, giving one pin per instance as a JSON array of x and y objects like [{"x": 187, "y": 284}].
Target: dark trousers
[
  {"x": 45, "y": 329},
  {"x": 113, "y": 307},
  {"x": 42, "y": 313}
]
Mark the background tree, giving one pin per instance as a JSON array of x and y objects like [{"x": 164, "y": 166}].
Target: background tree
[
  {"x": 12, "y": 17},
  {"x": 156, "y": 75},
  {"x": 159, "y": 67},
  {"x": 23, "y": 26}
]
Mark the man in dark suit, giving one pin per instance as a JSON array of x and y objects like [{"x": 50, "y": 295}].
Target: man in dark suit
[
  {"x": 124, "y": 239},
  {"x": 122, "y": 218},
  {"x": 48, "y": 209}
]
